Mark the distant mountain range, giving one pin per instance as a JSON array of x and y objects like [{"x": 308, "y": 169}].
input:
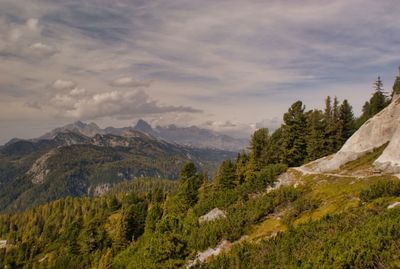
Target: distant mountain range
[
  {"x": 193, "y": 136},
  {"x": 82, "y": 159},
  {"x": 189, "y": 136}
]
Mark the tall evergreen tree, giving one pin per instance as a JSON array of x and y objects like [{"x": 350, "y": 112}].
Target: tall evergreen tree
[
  {"x": 275, "y": 150},
  {"x": 376, "y": 103},
  {"x": 294, "y": 131},
  {"x": 315, "y": 135},
  {"x": 189, "y": 184},
  {"x": 226, "y": 176},
  {"x": 396, "y": 85},
  {"x": 188, "y": 170},
  {"x": 328, "y": 111},
  {"x": 258, "y": 149},
  {"x": 327, "y": 122},
  {"x": 379, "y": 100},
  {"x": 153, "y": 216},
  {"x": 242, "y": 161},
  {"x": 347, "y": 121},
  {"x": 336, "y": 127}
]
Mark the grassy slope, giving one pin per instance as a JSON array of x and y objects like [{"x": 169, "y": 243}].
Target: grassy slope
[{"x": 332, "y": 194}]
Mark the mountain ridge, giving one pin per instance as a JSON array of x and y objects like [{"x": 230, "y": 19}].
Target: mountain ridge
[
  {"x": 72, "y": 164},
  {"x": 192, "y": 136}
]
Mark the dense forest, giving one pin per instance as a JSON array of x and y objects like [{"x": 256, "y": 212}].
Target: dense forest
[{"x": 153, "y": 223}]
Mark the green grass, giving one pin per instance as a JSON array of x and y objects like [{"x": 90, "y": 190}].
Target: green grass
[{"x": 266, "y": 229}]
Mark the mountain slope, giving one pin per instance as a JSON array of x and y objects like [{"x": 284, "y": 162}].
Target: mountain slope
[
  {"x": 346, "y": 216},
  {"x": 72, "y": 164},
  {"x": 324, "y": 220}
]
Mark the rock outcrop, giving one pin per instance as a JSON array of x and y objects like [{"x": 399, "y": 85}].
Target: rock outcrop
[
  {"x": 382, "y": 128},
  {"x": 203, "y": 256},
  {"x": 39, "y": 169},
  {"x": 214, "y": 214}
]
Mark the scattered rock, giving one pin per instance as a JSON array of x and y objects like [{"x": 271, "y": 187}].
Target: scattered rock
[
  {"x": 99, "y": 190},
  {"x": 214, "y": 214},
  {"x": 3, "y": 244},
  {"x": 395, "y": 204},
  {"x": 201, "y": 257}
]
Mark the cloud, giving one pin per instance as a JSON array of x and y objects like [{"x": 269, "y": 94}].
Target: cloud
[
  {"x": 60, "y": 84},
  {"x": 129, "y": 82},
  {"x": 271, "y": 124},
  {"x": 117, "y": 104},
  {"x": 42, "y": 50},
  {"x": 239, "y": 61},
  {"x": 67, "y": 99},
  {"x": 32, "y": 24},
  {"x": 235, "y": 129},
  {"x": 24, "y": 40}
]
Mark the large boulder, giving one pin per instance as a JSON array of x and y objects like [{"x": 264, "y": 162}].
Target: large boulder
[{"x": 382, "y": 128}]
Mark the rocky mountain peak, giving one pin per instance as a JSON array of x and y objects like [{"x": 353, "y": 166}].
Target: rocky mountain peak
[
  {"x": 79, "y": 124},
  {"x": 143, "y": 126}
]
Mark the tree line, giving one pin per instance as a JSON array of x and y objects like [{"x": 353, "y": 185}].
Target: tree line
[{"x": 154, "y": 224}]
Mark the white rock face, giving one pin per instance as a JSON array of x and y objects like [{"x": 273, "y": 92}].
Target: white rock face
[
  {"x": 214, "y": 214},
  {"x": 389, "y": 161},
  {"x": 38, "y": 170},
  {"x": 377, "y": 131}
]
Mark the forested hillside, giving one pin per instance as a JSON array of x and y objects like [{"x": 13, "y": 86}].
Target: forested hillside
[
  {"x": 71, "y": 164},
  {"x": 256, "y": 212}
]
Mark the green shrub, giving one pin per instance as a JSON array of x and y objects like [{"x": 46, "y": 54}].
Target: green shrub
[{"x": 382, "y": 188}]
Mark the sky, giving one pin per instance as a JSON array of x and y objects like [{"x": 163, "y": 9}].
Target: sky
[{"x": 230, "y": 66}]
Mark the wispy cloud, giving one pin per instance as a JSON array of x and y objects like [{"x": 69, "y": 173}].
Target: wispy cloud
[
  {"x": 241, "y": 61},
  {"x": 129, "y": 82}
]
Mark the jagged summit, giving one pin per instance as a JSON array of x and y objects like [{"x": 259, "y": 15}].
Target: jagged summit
[
  {"x": 80, "y": 127},
  {"x": 187, "y": 136},
  {"x": 381, "y": 129},
  {"x": 143, "y": 126}
]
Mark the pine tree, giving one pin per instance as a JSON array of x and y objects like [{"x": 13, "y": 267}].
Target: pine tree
[
  {"x": 275, "y": 150},
  {"x": 189, "y": 184},
  {"x": 154, "y": 215},
  {"x": 379, "y": 99},
  {"x": 293, "y": 135},
  {"x": 113, "y": 203},
  {"x": 347, "y": 121},
  {"x": 226, "y": 176},
  {"x": 396, "y": 85},
  {"x": 242, "y": 161},
  {"x": 335, "y": 127},
  {"x": 376, "y": 103},
  {"x": 188, "y": 170},
  {"x": 315, "y": 135},
  {"x": 328, "y": 111},
  {"x": 327, "y": 122},
  {"x": 258, "y": 148}
]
